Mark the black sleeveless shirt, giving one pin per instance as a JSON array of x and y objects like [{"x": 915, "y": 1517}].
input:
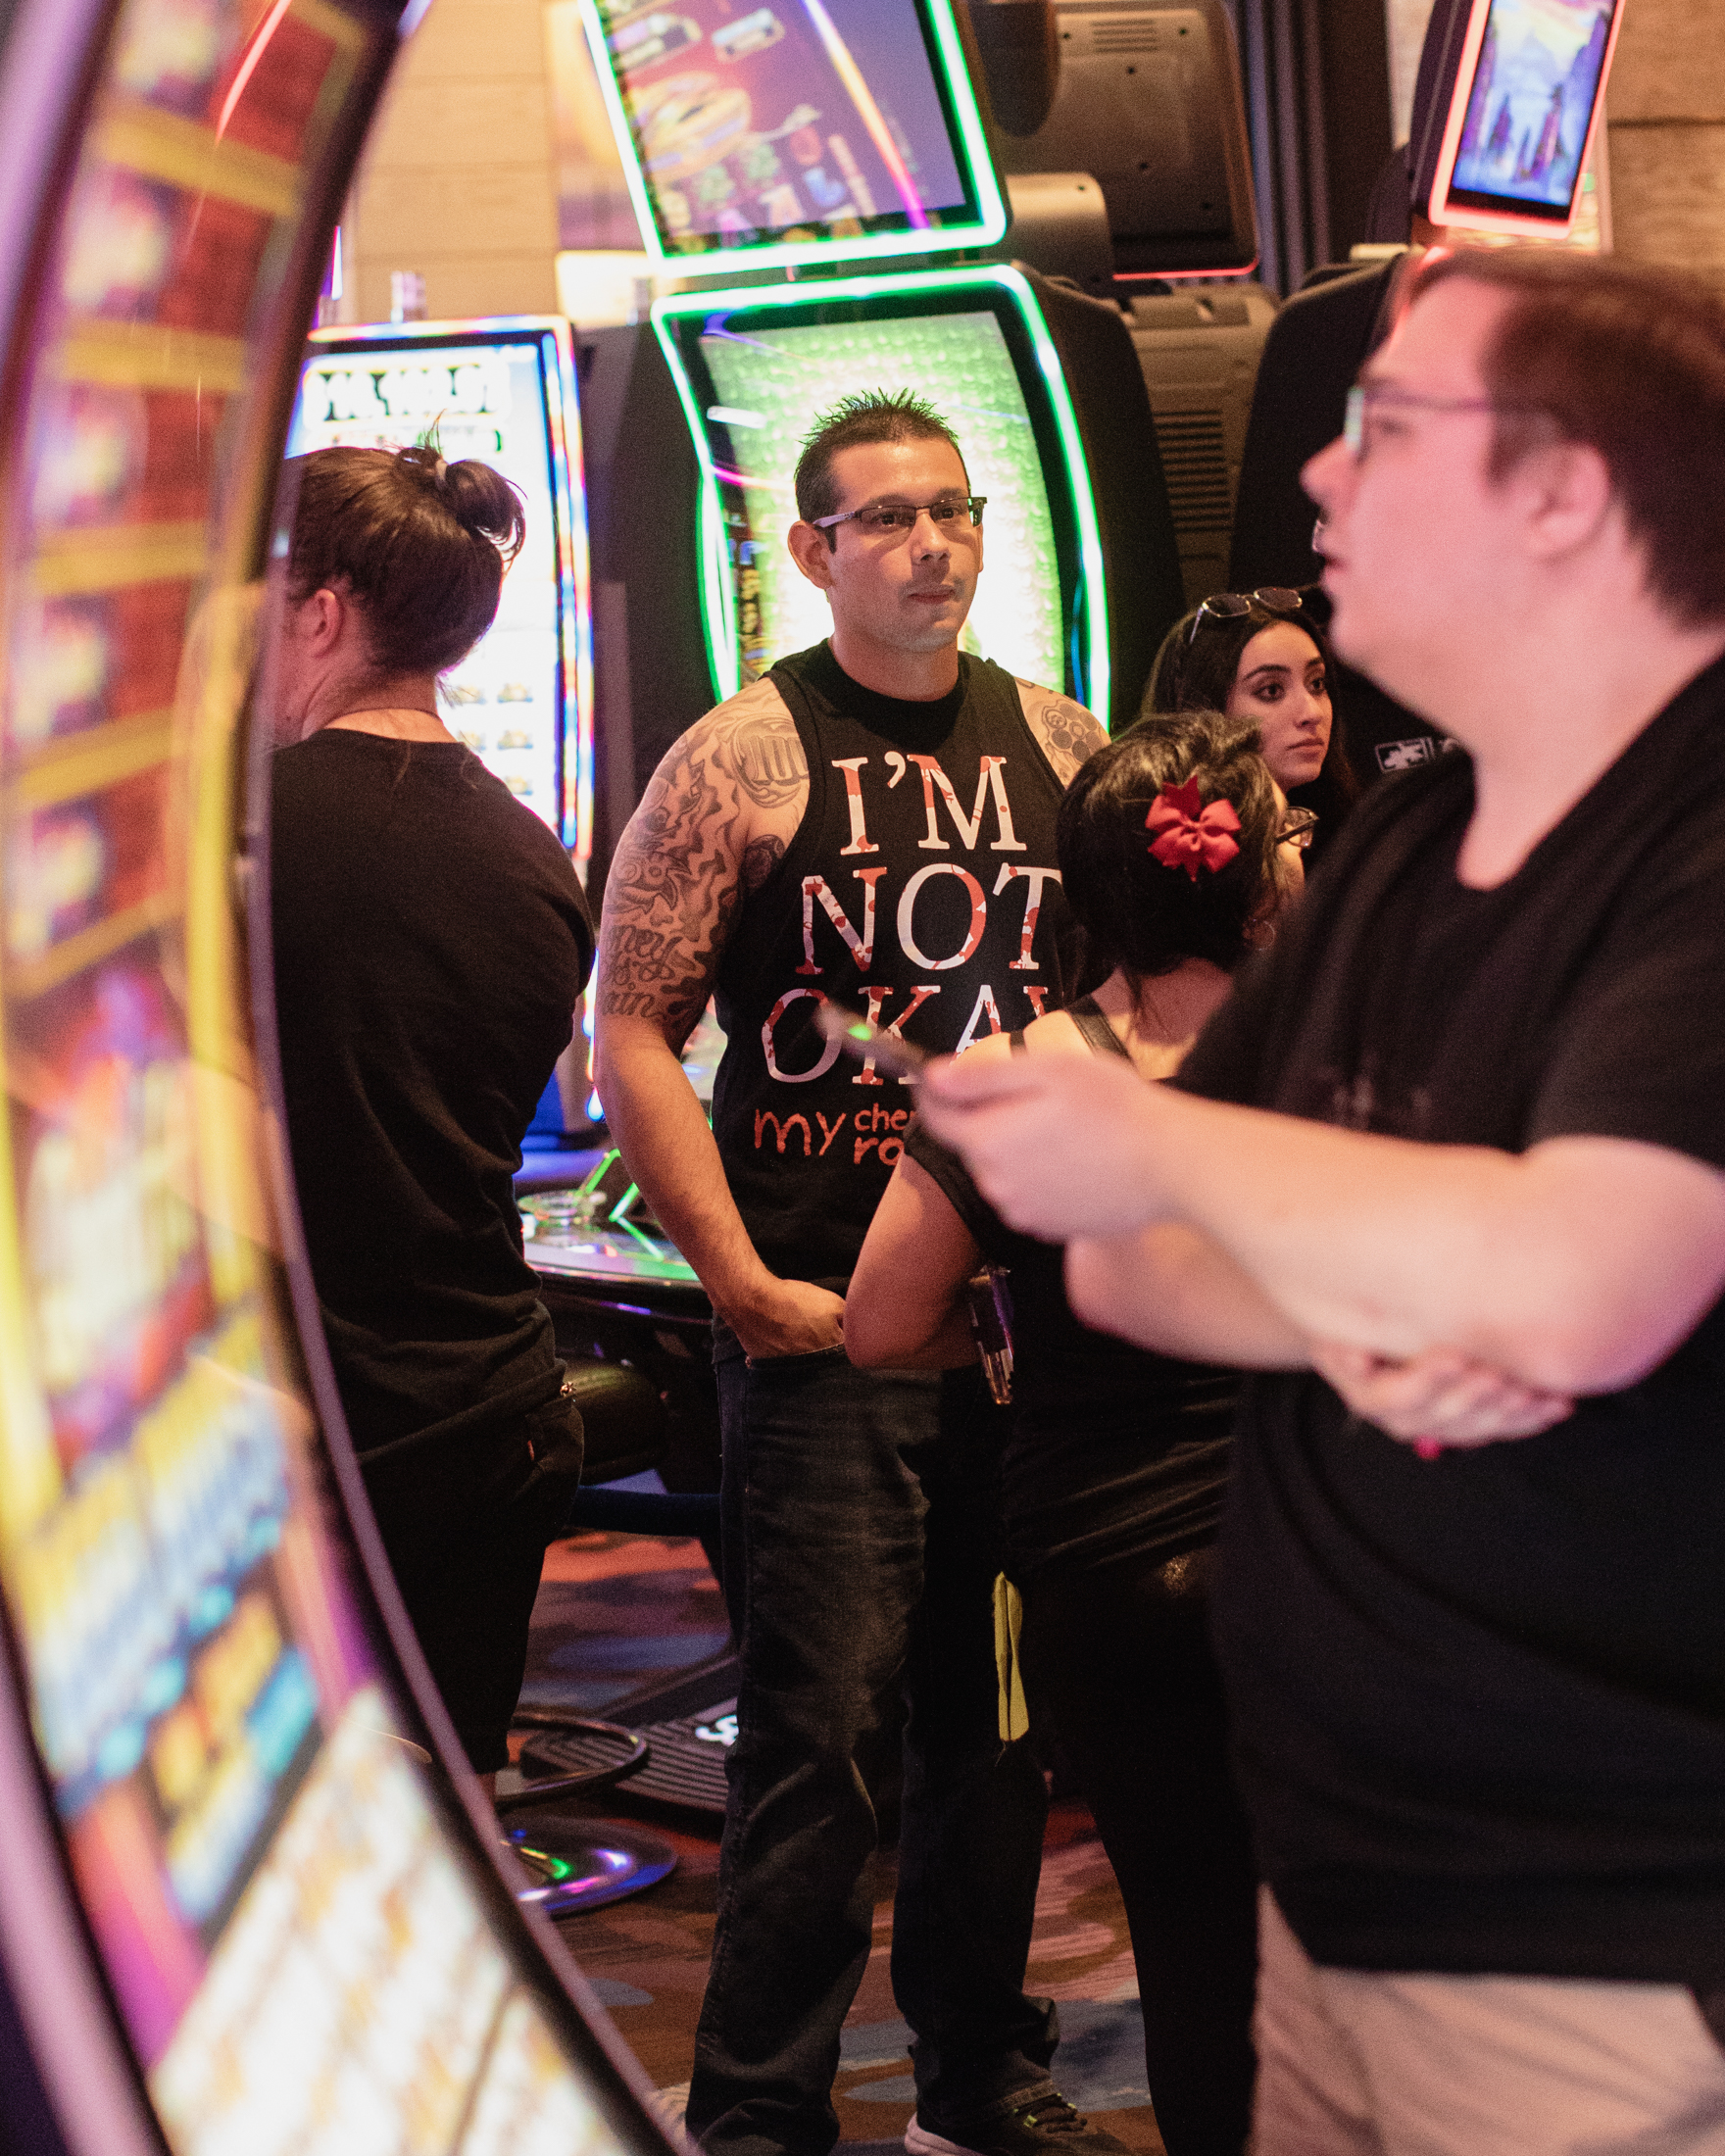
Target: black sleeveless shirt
[{"x": 920, "y": 888}]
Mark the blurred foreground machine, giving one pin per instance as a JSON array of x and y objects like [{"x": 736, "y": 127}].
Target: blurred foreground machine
[{"x": 251, "y": 1899}]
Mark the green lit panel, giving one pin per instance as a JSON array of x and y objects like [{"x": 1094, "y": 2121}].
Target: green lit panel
[{"x": 753, "y": 368}]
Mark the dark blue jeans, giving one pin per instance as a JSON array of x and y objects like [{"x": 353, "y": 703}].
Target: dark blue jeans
[{"x": 862, "y": 1542}]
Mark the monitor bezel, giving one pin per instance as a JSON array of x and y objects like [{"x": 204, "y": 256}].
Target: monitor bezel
[
  {"x": 1470, "y": 211},
  {"x": 553, "y": 338},
  {"x": 985, "y": 194},
  {"x": 1189, "y": 255},
  {"x": 995, "y": 288}
]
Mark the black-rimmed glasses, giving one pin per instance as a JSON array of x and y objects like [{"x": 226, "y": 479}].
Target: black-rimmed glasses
[
  {"x": 1232, "y": 605},
  {"x": 962, "y": 512},
  {"x": 1297, "y": 827}
]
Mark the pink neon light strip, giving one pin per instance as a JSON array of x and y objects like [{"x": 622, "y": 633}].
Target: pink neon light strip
[
  {"x": 879, "y": 133},
  {"x": 271, "y": 23}
]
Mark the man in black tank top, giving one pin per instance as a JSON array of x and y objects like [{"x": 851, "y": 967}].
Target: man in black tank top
[{"x": 873, "y": 821}]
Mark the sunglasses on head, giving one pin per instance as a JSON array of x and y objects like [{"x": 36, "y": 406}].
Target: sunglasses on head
[{"x": 1231, "y": 605}]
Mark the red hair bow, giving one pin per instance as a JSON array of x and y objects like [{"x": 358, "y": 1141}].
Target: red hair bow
[{"x": 1190, "y": 837}]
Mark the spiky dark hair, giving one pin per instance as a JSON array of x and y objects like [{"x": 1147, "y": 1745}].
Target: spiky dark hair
[{"x": 865, "y": 416}]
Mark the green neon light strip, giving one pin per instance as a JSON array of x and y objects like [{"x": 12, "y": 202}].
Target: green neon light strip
[
  {"x": 989, "y": 225},
  {"x": 995, "y": 214},
  {"x": 719, "y": 613},
  {"x": 719, "y": 601}
]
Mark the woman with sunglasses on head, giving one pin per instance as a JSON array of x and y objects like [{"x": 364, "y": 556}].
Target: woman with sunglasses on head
[
  {"x": 1262, "y": 657},
  {"x": 1172, "y": 850}
]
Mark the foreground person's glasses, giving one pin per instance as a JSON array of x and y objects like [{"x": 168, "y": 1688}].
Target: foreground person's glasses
[
  {"x": 1365, "y": 398},
  {"x": 1297, "y": 827},
  {"x": 959, "y": 513},
  {"x": 1229, "y": 606}
]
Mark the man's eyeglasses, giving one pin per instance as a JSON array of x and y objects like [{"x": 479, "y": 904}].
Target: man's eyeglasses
[
  {"x": 1297, "y": 827},
  {"x": 1366, "y": 398},
  {"x": 1232, "y": 605},
  {"x": 959, "y": 513}
]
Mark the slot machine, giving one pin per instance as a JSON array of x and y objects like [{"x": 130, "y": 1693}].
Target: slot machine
[
  {"x": 503, "y": 391},
  {"x": 833, "y": 166},
  {"x": 250, "y": 1897}
]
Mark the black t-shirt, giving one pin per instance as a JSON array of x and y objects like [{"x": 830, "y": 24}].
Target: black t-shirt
[
  {"x": 1113, "y": 1453},
  {"x": 430, "y": 941},
  {"x": 1480, "y": 1701},
  {"x": 920, "y": 887}
]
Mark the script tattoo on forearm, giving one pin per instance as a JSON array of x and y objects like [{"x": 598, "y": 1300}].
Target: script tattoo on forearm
[
  {"x": 1069, "y": 734},
  {"x": 678, "y": 877}
]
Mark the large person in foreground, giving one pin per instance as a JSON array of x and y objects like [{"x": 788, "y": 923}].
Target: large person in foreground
[{"x": 1448, "y": 1165}]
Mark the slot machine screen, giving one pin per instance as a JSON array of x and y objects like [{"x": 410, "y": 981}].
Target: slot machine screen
[
  {"x": 1528, "y": 94},
  {"x": 503, "y": 392},
  {"x": 756, "y": 366},
  {"x": 242, "y": 1909},
  {"x": 777, "y": 135}
]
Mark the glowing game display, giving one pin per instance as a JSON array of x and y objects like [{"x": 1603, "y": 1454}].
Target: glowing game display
[
  {"x": 1529, "y": 92},
  {"x": 358, "y": 1999},
  {"x": 504, "y": 392},
  {"x": 278, "y": 1932},
  {"x": 796, "y": 129},
  {"x": 756, "y": 366}
]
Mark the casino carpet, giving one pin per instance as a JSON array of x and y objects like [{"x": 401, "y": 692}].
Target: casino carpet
[{"x": 615, "y": 1612}]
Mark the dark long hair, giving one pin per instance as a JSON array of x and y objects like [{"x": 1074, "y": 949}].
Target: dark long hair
[
  {"x": 420, "y": 544},
  {"x": 1137, "y": 913},
  {"x": 1196, "y": 673}
]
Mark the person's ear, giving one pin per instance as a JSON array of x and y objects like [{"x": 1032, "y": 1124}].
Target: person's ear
[
  {"x": 811, "y": 554},
  {"x": 324, "y": 617},
  {"x": 1567, "y": 497}
]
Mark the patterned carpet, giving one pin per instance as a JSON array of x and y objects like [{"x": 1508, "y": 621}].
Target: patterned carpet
[{"x": 615, "y": 1612}]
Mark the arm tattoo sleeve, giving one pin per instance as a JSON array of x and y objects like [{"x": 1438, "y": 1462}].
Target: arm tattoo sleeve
[
  {"x": 670, "y": 897},
  {"x": 1069, "y": 734},
  {"x": 677, "y": 881},
  {"x": 759, "y": 858}
]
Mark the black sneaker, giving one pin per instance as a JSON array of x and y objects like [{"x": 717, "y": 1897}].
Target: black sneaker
[{"x": 1042, "y": 2125}]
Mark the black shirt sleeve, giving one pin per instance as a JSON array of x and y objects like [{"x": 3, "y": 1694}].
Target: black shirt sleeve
[{"x": 1642, "y": 1052}]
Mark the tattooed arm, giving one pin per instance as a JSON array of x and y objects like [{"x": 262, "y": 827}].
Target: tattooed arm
[
  {"x": 716, "y": 817},
  {"x": 1066, "y": 732}
]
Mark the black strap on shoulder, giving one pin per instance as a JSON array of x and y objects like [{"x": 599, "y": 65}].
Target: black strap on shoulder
[
  {"x": 1099, "y": 1036},
  {"x": 1015, "y": 1042}
]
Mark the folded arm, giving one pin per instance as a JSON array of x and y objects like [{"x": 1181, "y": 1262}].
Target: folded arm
[{"x": 1575, "y": 1267}]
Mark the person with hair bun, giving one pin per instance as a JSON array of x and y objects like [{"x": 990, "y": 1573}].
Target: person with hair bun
[
  {"x": 1174, "y": 852},
  {"x": 430, "y": 942},
  {"x": 1262, "y": 657}
]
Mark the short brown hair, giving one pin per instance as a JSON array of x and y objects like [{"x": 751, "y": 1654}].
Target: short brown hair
[
  {"x": 420, "y": 544},
  {"x": 855, "y": 422},
  {"x": 1630, "y": 360}
]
